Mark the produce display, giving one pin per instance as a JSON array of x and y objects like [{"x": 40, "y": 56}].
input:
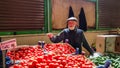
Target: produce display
[
  {"x": 55, "y": 61},
  {"x": 115, "y": 59},
  {"x": 58, "y": 55},
  {"x": 59, "y": 48},
  {"x": 25, "y": 53}
]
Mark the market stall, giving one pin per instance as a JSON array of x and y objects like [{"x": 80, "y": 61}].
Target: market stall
[
  {"x": 48, "y": 55},
  {"x": 58, "y": 55}
]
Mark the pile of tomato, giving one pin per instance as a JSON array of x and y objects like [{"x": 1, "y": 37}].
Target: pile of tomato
[
  {"x": 25, "y": 53},
  {"x": 56, "y": 57},
  {"x": 59, "y": 48}
]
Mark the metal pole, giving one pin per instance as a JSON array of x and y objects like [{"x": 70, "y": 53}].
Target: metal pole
[
  {"x": 3, "y": 57},
  {"x": 97, "y": 15}
]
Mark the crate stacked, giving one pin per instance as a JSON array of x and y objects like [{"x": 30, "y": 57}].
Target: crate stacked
[{"x": 108, "y": 43}]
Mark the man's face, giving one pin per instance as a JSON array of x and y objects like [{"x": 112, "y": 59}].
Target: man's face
[{"x": 72, "y": 25}]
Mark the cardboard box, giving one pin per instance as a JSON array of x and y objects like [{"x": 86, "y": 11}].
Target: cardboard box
[
  {"x": 117, "y": 45},
  {"x": 100, "y": 44},
  {"x": 108, "y": 43}
]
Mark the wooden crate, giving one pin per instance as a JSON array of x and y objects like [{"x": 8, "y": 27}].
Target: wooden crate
[
  {"x": 108, "y": 43},
  {"x": 117, "y": 45},
  {"x": 100, "y": 44}
]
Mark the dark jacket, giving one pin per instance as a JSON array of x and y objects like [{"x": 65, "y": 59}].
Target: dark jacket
[{"x": 75, "y": 37}]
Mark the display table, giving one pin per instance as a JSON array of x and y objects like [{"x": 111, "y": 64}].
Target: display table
[{"x": 53, "y": 55}]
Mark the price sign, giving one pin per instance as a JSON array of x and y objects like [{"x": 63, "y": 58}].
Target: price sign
[{"x": 9, "y": 44}]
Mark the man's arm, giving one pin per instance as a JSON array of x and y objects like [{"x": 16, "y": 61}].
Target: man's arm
[
  {"x": 58, "y": 38},
  {"x": 86, "y": 45}
]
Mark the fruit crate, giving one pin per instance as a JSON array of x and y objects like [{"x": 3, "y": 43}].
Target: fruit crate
[{"x": 108, "y": 43}]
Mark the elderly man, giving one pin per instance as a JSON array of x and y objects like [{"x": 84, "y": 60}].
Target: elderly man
[{"x": 72, "y": 35}]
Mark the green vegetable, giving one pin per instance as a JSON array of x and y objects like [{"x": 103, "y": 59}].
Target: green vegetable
[{"x": 115, "y": 58}]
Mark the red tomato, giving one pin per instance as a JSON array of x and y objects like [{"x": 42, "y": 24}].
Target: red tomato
[
  {"x": 43, "y": 65},
  {"x": 30, "y": 65},
  {"x": 16, "y": 66},
  {"x": 38, "y": 65},
  {"x": 40, "y": 59},
  {"x": 61, "y": 66},
  {"x": 54, "y": 60},
  {"x": 63, "y": 62},
  {"x": 34, "y": 63},
  {"x": 58, "y": 61},
  {"x": 51, "y": 65},
  {"x": 86, "y": 66}
]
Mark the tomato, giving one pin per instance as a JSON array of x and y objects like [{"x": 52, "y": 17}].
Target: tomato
[
  {"x": 51, "y": 65},
  {"x": 16, "y": 66},
  {"x": 38, "y": 65},
  {"x": 40, "y": 59},
  {"x": 86, "y": 66},
  {"x": 50, "y": 56},
  {"x": 56, "y": 65},
  {"x": 59, "y": 61},
  {"x": 34, "y": 63},
  {"x": 43, "y": 65},
  {"x": 54, "y": 61},
  {"x": 61, "y": 66},
  {"x": 45, "y": 57},
  {"x": 30, "y": 65},
  {"x": 63, "y": 62},
  {"x": 48, "y": 61}
]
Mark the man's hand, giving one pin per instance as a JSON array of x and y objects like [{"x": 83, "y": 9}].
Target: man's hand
[
  {"x": 50, "y": 35},
  {"x": 96, "y": 54}
]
